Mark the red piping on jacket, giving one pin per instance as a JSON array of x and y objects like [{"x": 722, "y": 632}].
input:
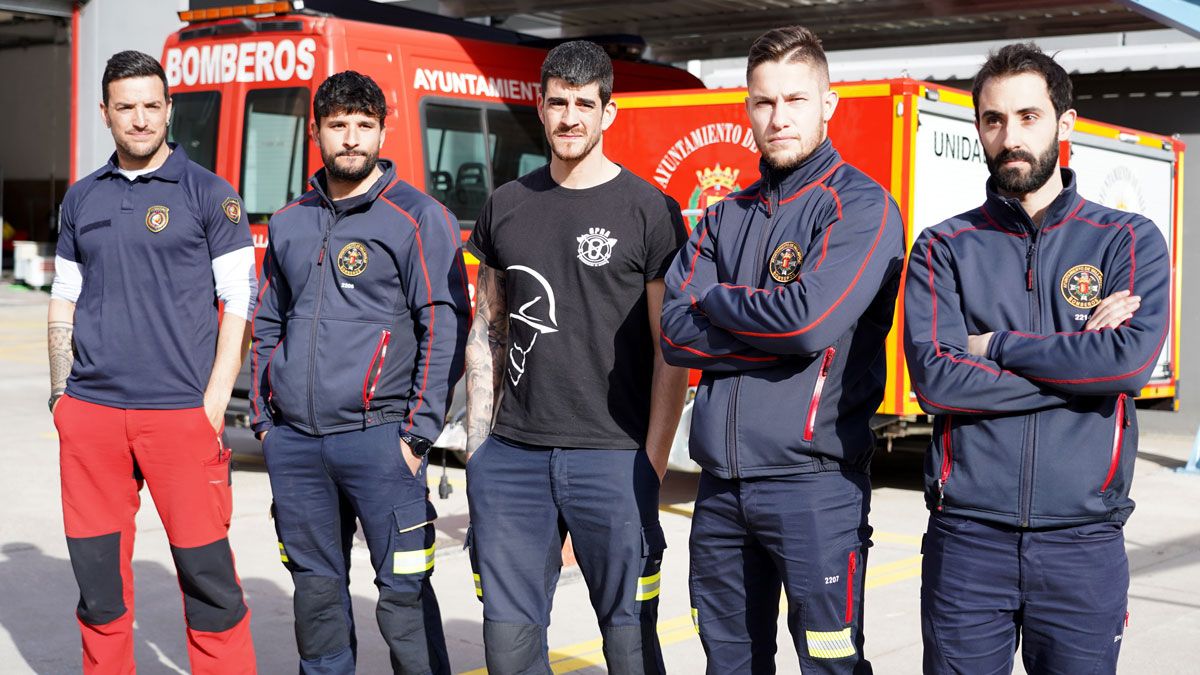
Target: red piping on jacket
[
  {"x": 862, "y": 268},
  {"x": 432, "y": 311},
  {"x": 697, "y": 352}
]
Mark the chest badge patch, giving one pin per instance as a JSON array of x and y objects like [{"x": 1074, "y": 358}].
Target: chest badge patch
[
  {"x": 352, "y": 259},
  {"x": 785, "y": 262},
  {"x": 595, "y": 247},
  {"x": 232, "y": 209},
  {"x": 1081, "y": 286},
  {"x": 157, "y": 218}
]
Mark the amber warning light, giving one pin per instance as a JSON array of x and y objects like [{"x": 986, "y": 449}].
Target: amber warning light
[{"x": 233, "y": 11}]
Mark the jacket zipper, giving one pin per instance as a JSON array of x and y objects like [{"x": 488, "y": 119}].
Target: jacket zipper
[
  {"x": 1120, "y": 425},
  {"x": 1030, "y": 446},
  {"x": 811, "y": 420},
  {"x": 312, "y": 349},
  {"x": 731, "y": 427},
  {"x": 376, "y": 364},
  {"x": 947, "y": 459},
  {"x": 851, "y": 570},
  {"x": 731, "y": 416}
]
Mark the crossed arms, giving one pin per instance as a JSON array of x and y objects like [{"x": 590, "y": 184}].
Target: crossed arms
[{"x": 1010, "y": 371}]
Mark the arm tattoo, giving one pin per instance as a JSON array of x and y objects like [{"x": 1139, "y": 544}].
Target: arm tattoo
[
  {"x": 485, "y": 354},
  {"x": 62, "y": 355}
]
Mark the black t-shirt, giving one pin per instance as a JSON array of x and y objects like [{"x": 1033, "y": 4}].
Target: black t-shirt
[{"x": 579, "y": 362}]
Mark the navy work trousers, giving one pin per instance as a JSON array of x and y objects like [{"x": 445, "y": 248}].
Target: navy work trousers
[
  {"x": 985, "y": 587},
  {"x": 806, "y": 533},
  {"x": 524, "y": 500},
  {"x": 320, "y": 485}
]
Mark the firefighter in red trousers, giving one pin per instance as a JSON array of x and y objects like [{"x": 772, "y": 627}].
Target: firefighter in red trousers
[{"x": 141, "y": 369}]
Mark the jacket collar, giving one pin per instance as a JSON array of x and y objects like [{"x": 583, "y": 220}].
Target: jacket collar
[
  {"x": 317, "y": 182},
  {"x": 788, "y": 182},
  {"x": 1009, "y": 209},
  {"x": 172, "y": 169}
]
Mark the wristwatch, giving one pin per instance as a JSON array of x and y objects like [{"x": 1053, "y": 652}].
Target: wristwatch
[
  {"x": 54, "y": 396},
  {"x": 420, "y": 446}
]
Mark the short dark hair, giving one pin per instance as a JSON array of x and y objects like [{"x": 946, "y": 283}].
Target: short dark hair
[
  {"x": 789, "y": 44},
  {"x": 1026, "y": 57},
  {"x": 131, "y": 63},
  {"x": 349, "y": 92},
  {"x": 579, "y": 63}
]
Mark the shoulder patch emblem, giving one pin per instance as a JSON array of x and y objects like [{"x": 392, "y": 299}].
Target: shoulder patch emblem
[
  {"x": 352, "y": 259},
  {"x": 785, "y": 262},
  {"x": 233, "y": 210},
  {"x": 157, "y": 218},
  {"x": 1081, "y": 286},
  {"x": 595, "y": 247}
]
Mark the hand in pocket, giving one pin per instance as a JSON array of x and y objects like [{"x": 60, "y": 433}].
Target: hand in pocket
[{"x": 413, "y": 462}]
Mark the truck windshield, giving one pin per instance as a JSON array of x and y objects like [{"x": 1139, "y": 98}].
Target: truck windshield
[
  {"x": 193, "y": 126},
  {"x": 273, "y": 150},
  {"x": 471, "y": 149}
]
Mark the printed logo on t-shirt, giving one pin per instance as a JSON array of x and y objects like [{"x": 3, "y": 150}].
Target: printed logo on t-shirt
[
  {"x": 352, "y": 259},
  {"x": 532, "y": 318},
  {"x": 1081, "y": 286},
  {"x": 157, "y": 218},
  {"x": 595, "y": 247},
  {"x": 232, "y": 209}
]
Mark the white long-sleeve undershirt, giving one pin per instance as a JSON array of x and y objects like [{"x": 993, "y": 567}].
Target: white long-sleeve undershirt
[{"x": 233, "y": 275}]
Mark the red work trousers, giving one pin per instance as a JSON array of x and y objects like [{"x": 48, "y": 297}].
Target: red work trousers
[{"x": 106, "y": 454}]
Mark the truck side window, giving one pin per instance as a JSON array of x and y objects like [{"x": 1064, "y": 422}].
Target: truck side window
[
  {"x": 273, "y": 150},
  {"x": 457, "y": 160},
  {"x": 193, "y": 125},
  {"x": 471, "y": 149},
  {"x": 518, "y": 142}
]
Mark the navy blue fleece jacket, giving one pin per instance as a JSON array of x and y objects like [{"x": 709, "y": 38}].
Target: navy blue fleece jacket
[
  {"x": 783, "y": 296},
  {"x": 1041, "y": 432},
  {"x": 363, "y": 312}
]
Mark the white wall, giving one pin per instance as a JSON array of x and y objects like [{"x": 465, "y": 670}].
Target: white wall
[
  {"x": 36, "y": 114},
  {"x": 105, "y": 28}
]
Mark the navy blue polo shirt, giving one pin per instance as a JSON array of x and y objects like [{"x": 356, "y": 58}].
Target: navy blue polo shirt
[{"x": 146, "y": 319}]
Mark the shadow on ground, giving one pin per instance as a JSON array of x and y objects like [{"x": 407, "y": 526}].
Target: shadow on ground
[{"x": 39, "y": 598}]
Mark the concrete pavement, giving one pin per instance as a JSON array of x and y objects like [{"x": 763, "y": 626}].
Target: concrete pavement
[{"x": 38, "y": 592}]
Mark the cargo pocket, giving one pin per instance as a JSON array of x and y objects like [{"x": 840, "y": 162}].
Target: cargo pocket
[
  {"x": 830, "y": 618},
  {"x": 650, "y": 581},
  {"x": 469, "y": 546},
  {"x": 412, "y": 542}
]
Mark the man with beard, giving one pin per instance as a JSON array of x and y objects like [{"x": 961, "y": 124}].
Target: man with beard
[
  {"x": 566, "y": 337},
  {"x": 358, "y": 341},
  {"x": 147, "y": 245},
  {"x": 1031, "y": 377},
  {"x": 783, "y": 296}
]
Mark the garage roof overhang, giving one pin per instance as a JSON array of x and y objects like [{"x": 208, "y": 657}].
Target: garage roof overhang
[{"x": 679, "y": 30}]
